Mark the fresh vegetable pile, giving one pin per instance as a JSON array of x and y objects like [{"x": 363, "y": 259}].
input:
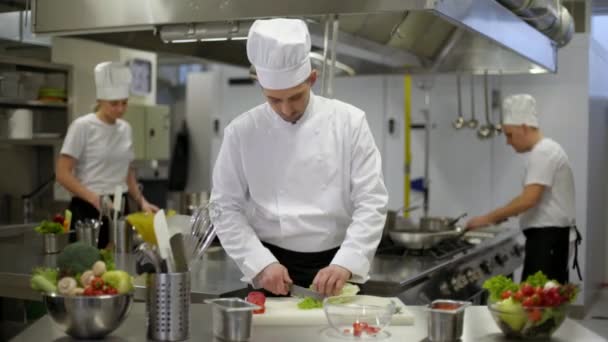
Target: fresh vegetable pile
[
  {"x": 534, "y": 308},
  {"x": 59, "y": 225},
  {"x": 83, "y": 270}
]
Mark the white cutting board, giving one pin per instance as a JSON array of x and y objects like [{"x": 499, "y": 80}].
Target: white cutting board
[{"x": 284, "y": 311}]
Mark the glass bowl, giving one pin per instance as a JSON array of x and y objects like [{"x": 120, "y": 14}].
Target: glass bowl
[
  {"x": 539, "y": 322},
  {"x": 358, "y": 316}
]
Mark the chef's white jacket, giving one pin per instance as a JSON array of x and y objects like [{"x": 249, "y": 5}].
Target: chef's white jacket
[{"x": 306, "y": 187}]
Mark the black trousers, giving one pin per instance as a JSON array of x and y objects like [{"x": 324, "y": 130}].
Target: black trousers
[
  {"x": 547, "y": 251},
  {"x": 302, "y": 266},
  {"x": 82, "y": 210}
]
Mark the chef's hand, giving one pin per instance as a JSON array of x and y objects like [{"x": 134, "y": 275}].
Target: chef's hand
[
  {"x": 478, "y": 222},
  {"x": 330, "y": 280},
  {"x": 148, "y": 207},
  {"x": 274, "y": 278}
]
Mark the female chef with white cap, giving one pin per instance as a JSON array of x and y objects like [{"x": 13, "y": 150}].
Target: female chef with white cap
[
  {"x": 98, "y": 150},
  {"x": 298, "y": 179},
  {"x": 546, "y": 203}
]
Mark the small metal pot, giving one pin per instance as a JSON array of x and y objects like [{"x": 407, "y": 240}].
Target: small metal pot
[
  {"x": 54, "y": 243},
  {"x": 446, "y": 320},
  {"x": 232, "y": 318},
  {"x": 438, "y": 223}
]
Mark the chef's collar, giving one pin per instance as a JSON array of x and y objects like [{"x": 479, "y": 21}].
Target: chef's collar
[{"x": 279, "y": 122}]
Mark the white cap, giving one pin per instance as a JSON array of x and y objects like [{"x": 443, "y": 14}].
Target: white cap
[
  {"x": 112, "y": 80},
  {"x": 520, "y": 109},
  {"x": 279, "y": 50}
]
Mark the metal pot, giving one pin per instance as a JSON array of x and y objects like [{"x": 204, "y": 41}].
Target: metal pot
[
  {"x": 438, "y": 223},
  {"x": 421, "y": 240}
]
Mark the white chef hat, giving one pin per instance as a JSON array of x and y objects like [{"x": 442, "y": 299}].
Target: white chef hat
[
  {"x": 279, "y": 50},
  {"x": 520, "y": 109},
  {"x": 112, "y": 80}
]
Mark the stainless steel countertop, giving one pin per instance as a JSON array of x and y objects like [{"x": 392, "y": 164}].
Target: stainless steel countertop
[
  {"x": 478, "y": 327},
  {"x": 21, "y": 251}
]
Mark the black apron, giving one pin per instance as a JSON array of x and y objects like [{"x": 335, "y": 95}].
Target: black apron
[
  {"x": 82, "y": 210},
  {"x": 302, "y": 266},
  {"x": 547, "y": 251}
]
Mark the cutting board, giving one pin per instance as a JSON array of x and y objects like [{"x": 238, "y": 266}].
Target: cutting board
[{"x": 284, "y": 311}]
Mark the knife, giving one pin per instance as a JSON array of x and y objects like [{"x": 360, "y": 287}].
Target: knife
[{"x": 299, "y": 291}]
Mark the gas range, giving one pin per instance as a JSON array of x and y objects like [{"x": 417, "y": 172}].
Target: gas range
[{"x": 454, "y": 269}]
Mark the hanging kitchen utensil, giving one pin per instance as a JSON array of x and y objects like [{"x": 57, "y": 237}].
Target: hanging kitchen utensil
[
  {"x": 459, "y": 122},
  {"x": 472, "y": 123},
  {"x": 497, "y": 104},
  {"x": 486, "y": 130},
  {"x": 458, "y": 218}
]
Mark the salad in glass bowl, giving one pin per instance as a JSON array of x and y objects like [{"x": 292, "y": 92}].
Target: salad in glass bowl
[{"x": 533, "y": 309}]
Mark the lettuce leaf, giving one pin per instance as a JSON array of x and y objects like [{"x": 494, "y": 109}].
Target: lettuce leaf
[{"x": 497, "y": 285}]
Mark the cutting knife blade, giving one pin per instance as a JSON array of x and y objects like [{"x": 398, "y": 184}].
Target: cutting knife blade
[{"x": 299, "y": 291}]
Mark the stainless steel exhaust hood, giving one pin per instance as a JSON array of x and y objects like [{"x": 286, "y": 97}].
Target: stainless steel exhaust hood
[{"x": 376, "y": 36}]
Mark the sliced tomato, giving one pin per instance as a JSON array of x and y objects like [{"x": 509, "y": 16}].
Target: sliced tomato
[
  {"x": 372, "y": 330},
  {"x": 357, "y": 329},
  {"x": 535, "y": 315},
  {"x": 258, "y": 298}
]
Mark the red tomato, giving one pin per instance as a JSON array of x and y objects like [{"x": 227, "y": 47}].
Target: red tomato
[
  {"x": 518, "y": 296},
  {"x": 528, "y": 302},
  {"x": 58, "y": 218},
  {"x": 536, "y": 299},
  {"x": 346, "y": 331},
  {"x": 88, "y": 291},
  {"x": 527, "y": 289},
  {"x": 372, "y": 330},
  {"x": 539, "y": 290},
  {"x": 535, "y": 315},
  {"x": 506, "y": 294},
  {"x": 98, "y": 293},
  {"x": 111, "y": 291},
  {"x": 357, "y": 329},
  {"x": 97, "y": 283},
  {"x": 258, "y": 298}
]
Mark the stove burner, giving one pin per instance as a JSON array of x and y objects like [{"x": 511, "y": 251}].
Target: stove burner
[{"x": 442, "y": 250}]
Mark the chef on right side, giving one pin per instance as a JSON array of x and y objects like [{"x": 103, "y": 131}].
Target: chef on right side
[{"x": 546, "y": 203}]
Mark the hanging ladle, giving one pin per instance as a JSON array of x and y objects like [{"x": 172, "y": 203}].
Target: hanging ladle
[
  {"x": 459, "y": 122},
  {"x": 497, "y": 101},
  {"x": 486, "y": 131},
  {"x": 472, "y": 123}
]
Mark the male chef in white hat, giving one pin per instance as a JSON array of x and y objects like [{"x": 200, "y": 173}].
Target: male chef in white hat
[
  {"x": 546, "y": 204},
  {"x": 298, "y": 179},
  {"x": 97, "y": 151}
]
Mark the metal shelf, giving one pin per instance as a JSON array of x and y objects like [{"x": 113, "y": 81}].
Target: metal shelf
[{"x": 32, "y": 104}]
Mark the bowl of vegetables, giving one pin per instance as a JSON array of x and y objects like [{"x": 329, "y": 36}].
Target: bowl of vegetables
[
  {"x": 86, "y": 297},
  {"x": 54, "y": 233},
  {"x": 534, "y": 309},
  {"x": 358, "y": 316}
]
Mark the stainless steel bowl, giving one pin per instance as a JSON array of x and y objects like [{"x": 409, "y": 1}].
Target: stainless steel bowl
[{"x": 88, "y": 317}]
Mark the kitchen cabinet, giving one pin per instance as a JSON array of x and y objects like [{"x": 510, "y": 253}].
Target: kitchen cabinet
[{"x": 151, "y": 131}]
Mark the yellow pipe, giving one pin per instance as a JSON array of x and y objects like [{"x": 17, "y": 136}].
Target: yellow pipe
[{"x": 407, "y": 124}]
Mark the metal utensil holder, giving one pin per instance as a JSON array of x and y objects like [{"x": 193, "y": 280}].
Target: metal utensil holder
[
  {"x": 88, "y": 232},
  {"x": 121, "y": 236},
  {"x": 54, "y": 243},
  {"x": 168, "y": 306}
]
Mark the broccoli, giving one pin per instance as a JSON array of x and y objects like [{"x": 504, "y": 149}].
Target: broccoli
[{"x": 77, "y": 258}]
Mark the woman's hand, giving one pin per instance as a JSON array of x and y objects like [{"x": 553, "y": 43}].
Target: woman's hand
[{"x": 148, "y": 207}]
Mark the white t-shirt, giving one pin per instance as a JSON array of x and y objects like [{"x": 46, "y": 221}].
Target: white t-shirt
[
  {"x": 103, "y": 152},
  {"x": 548, "y": 165}
]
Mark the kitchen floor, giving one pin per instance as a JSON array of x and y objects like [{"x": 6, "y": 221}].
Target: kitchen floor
[{"x": 596, "y": 319}]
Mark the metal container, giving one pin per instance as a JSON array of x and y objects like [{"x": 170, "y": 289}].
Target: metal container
[
  {"x": 421, "y": 240},
  {"x": 168, "y": 306},
  {"x": 88, "y": 232},
  {"x": 446, "y": 320},
  {"x": 121, "y": 236},
  {"x": 54, "y": 243},
  {"x": 232, "y": 318}
]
